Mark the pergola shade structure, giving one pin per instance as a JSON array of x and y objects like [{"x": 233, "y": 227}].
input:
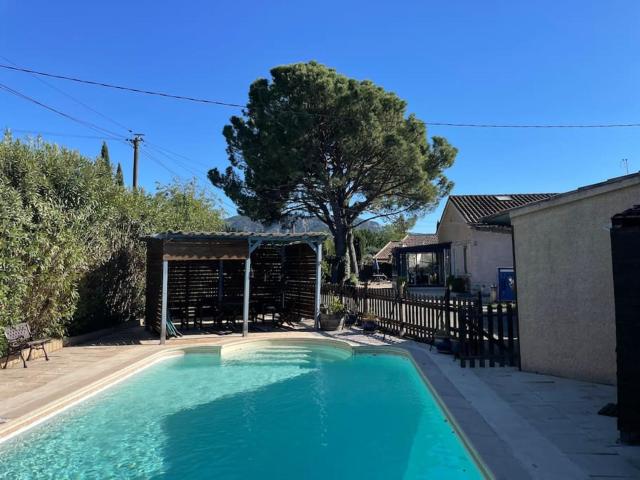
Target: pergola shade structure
[
  {"x": 424, "y": 265},
  {"x": 190, "y": 271}
]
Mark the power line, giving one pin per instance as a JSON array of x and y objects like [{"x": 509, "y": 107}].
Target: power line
[
  {"x": 237, "y": 105},
  {"x": 110, "y": 135},
  {"x": 87, "y": 124},
  {"x": 121, "y": 87},
  {"x": 160, "y": 162},
  {"x": 162, "y": 151},
  {"x": 68, "y": 95},
  {"x": 159, "y": 147},
  {"x": 56, "y": 134}
]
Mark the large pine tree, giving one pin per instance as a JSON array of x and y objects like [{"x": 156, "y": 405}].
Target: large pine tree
[{"x": 314, "y": 142}]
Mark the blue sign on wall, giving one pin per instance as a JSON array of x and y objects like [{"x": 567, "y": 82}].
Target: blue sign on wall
[{"x": 506, "y": 285}]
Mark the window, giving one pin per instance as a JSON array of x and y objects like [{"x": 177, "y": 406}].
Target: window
[{"x": 504, "y": 198}]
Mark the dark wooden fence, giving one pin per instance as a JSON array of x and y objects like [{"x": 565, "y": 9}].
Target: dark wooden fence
[{"x": 482, "y": 334}]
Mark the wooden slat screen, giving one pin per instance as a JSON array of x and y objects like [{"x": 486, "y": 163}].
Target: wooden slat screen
[
  {"x": 279, "y": 274},
  {"x": 299, "y": 277}
]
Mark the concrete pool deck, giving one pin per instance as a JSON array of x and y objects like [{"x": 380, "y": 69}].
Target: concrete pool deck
[{"x": 522, "y": 425}]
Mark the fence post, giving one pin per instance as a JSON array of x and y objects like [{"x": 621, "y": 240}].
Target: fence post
[
  {"x": 501, "y": 345},
  {"x": 492, "y": 362},
  {"x": 401, "y": 307},
  {"x": 447, "y": 319},
  {"x": 365, "y": 299},
  {"x": 480, "y": 330},
  {"x": 462, "y": 332},
  {"x": 512, "y": 362}
]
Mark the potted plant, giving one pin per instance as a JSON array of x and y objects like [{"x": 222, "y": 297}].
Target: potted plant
[
  {"x": 351, "y": 318},
  {"x": 369, "y": 322},
  {"x": 442, "y": 340},
  {"x": 332, "y": 315}
]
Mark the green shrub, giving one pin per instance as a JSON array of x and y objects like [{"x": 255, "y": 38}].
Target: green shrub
[
  {"x": 336, "y": 307},
  {"x": 71, "y": 259}
]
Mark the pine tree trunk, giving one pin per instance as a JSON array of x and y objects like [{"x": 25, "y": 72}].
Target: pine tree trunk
[
  {"x": 353, "y": 254},
  {"x": 340, "y": 270}
]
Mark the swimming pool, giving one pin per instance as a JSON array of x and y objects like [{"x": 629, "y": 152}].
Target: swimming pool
[{"x": 271, "y": 411}]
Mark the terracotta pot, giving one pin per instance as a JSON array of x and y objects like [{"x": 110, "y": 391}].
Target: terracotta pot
[
  {"x": 331, "y": 321},
  {"x": 369, "y": 325}
]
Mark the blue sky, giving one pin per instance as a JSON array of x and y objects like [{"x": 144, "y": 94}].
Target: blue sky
[{"x": 543, "y": 62}]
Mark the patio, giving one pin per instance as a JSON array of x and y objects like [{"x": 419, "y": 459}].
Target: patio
[{"x": 523, "y": 425}]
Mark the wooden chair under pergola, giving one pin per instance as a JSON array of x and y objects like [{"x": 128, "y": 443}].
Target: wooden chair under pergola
[{"x": 189, "y": 272}]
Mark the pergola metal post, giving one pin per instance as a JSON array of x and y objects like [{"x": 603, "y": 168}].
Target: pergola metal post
[
  {"x": 247, "y": 294},
  {"x": 220, "y": 281},
  {"x": 165, "y": 287},
  {"x": 253, "y": 244},
  {"x": 316, "y": 310}
]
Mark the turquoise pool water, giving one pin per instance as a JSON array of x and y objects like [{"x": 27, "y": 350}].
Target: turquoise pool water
[{"x": 276, "y": 412}]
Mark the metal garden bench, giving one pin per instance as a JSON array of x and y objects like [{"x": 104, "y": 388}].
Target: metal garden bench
[{"x": 18, "y": 338}]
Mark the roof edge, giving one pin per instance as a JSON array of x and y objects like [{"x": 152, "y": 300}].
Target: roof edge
[
  {"x": 504, "y": 217},
  {"x": 179, "y": 235}
]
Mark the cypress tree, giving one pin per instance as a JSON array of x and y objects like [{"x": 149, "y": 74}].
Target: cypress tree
[
  {"x": 104, "y": 155},
  {"x": 119, "y": 175}
]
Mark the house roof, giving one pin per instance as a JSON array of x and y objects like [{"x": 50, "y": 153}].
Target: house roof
[
  {"x": 504, "y": 217},
  {"x": 409, "y": 240},
  {"x": 474, "y": 208},
  {"x": 386, "y": 252}
]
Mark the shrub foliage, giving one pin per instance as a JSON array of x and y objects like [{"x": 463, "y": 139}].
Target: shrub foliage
[{"x": 71, "y": 259}]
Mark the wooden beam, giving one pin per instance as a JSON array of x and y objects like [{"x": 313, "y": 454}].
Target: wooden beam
[{"x": 206, "y": 250}]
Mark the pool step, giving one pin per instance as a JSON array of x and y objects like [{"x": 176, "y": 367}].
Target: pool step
[{"x": 291, "y": 354}]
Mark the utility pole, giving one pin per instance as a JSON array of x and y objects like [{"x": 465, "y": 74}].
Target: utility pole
[{"x": 135, "y": 141}]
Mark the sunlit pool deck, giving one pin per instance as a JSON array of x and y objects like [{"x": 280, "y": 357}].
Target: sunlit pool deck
[{"x": 521, "y": 425}]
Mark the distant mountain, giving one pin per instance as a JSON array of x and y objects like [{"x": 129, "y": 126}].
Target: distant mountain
[{"x": 245, "y": 224}]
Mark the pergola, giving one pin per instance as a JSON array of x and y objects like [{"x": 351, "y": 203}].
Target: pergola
[
  {"x": 207, "y": 267},
  {"x": 432, "y": 262}
]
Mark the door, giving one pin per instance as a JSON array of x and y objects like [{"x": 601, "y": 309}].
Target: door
[{"x": 506, "y": 285}]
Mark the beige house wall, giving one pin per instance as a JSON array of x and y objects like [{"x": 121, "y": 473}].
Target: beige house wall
[
  {"x": 486, "y": 250},
  {"x": 565, "y": 284},
  {"x": 454, "y": 229},
  {"x": 492, "y": 250}
]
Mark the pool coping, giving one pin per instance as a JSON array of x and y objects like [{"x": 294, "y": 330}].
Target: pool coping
[{"x": 40, "y": 415}]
